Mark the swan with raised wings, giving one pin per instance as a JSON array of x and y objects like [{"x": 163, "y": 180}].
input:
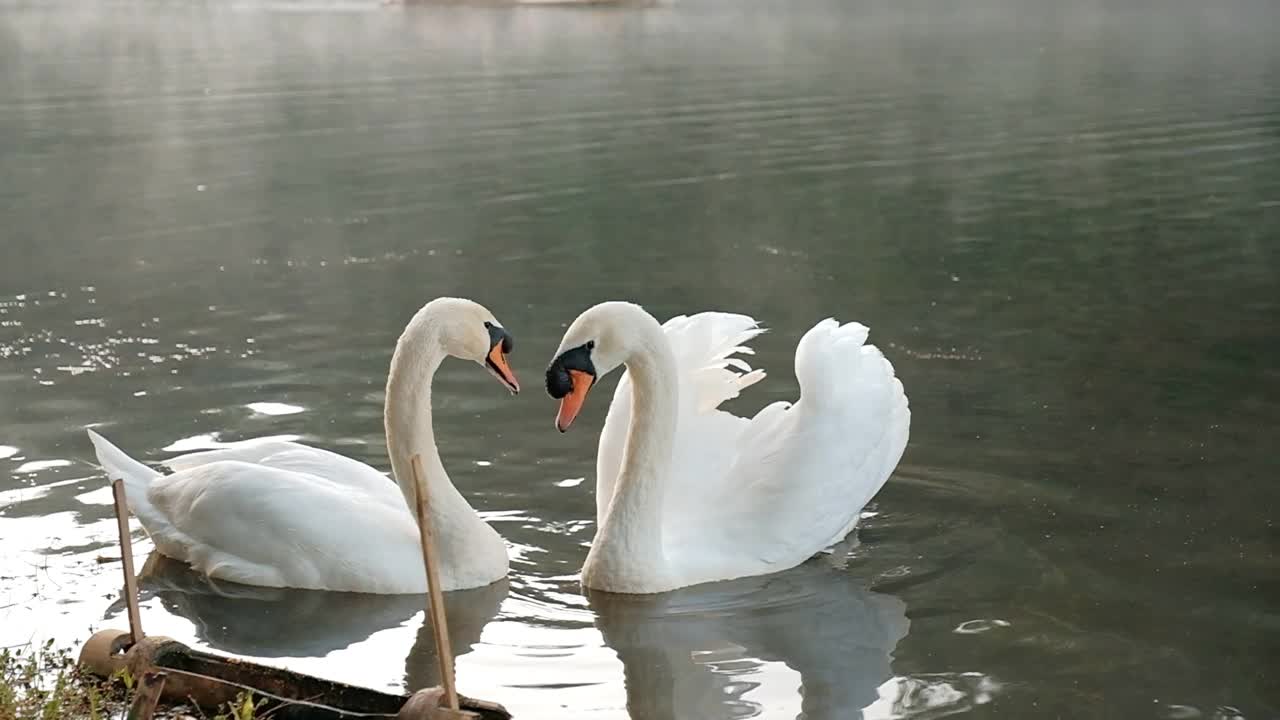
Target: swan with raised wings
[
  {"x": 687, "y": 493},
  {"x": 280, "y": 514}
]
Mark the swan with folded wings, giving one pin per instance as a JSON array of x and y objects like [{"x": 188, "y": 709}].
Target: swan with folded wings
[
  {"x": 280, "y": 514},
  {"x": 687, "y": 493}
]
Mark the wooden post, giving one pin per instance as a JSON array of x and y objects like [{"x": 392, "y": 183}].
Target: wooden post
[
  {"x": 126, "y": 554},
  {"x": 435, "y": 608},
  {"x": 147, "y": 696}
]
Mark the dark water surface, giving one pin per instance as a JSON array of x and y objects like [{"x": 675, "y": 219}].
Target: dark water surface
[{"x": 1060, "y": 220}]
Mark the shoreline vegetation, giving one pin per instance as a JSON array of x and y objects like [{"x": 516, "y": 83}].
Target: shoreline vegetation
[{"x": 44, "y": 682}]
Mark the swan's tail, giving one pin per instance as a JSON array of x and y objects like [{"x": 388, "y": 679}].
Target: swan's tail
[
  {"x": 837, "y": 369},
  {"x": 137, "y": 480}
]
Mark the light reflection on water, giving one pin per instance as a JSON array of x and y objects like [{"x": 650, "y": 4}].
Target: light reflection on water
[{"x": 735, "y": 649}]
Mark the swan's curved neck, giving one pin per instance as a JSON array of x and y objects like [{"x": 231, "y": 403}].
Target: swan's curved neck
[
  {"x": 628, "y": 549},
  {"x": 407, "y": 417}
]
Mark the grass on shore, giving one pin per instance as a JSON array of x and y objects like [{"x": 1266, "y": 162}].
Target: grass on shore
[{"x": 44, "y": 683}]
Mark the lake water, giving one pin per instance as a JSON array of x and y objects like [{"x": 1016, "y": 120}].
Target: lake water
[{"x": 1060, "y": 220}]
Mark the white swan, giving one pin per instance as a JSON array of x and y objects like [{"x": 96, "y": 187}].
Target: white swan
[
  {"x": 280, "y": 514},
  {"x": 686, "y": 493}
]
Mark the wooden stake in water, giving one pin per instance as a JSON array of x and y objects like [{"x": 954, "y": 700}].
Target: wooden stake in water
[
  {"x": 435, "y": 608},
  {"x": 126, "y": 554}
]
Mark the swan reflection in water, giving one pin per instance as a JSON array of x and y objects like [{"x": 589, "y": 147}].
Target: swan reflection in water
[
  {"x": 710, "y": 651},
  {"x": 289, "y": 622}
]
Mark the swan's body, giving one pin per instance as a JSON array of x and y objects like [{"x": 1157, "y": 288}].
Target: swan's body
[
  {"x": 280, "y": 514},
  {"x": 687, "y": 493}
]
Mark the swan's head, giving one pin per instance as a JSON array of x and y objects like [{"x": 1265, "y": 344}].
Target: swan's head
[
  {"x": 467, "y": 330},
  {"x": 600, "y": 340}
]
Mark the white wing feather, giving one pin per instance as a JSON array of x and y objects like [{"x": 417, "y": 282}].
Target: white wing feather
[
  {"x": 703, "y": 345},
  {"x": 279, "y": 514},
  {"x": 285, "y": 455},
  {"x": 751, "y": 496},
  {"x": 262, "y": 525}
]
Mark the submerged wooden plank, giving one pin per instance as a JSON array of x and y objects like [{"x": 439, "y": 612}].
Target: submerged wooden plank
[{"x": 211, "y": 681}]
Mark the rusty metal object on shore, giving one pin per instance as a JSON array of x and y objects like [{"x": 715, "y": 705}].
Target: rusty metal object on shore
[{"x": 210, "y": 681}]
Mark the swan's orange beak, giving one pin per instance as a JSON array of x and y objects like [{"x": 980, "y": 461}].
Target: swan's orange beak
[
  {"x": 570, "y": 404},
  {"x": 496, "y": 361}
]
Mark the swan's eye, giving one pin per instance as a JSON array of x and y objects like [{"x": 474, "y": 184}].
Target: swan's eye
[{"x": 591, "y": 344}]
